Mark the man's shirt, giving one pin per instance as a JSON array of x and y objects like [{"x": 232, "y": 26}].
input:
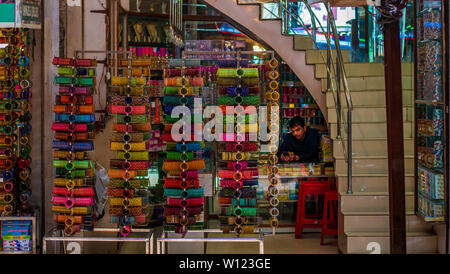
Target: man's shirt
[{"x": 307, "y": 149}]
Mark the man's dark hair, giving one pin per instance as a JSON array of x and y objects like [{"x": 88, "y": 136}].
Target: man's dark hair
[{"x": 297, "y": 121}]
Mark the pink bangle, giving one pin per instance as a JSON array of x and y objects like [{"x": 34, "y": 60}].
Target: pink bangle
[
  {"x": 197, "y": 201},
  {"x": 237, "y": 166},
  {"x": 232, "y": 137},
  {"x": 231, "y": 184},
  {"x": 244, "y": 147},
  {"x": 125, "y": 230},
  {"x": 73, "y": 201},
  {"x": 67, "y": 127}
]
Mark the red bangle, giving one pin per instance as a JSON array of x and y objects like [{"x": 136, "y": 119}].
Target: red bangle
[
  {"x": 232, "y": 146},
  {"x": 77, "y": 192},
  {"x": 62, "y": 61},
  {"x": 84, "y": 63},
  {"x": 128, "y": 109},
  {"x": 231, "y": 174},
  {"x": 178, "y": 183},
  {"x": 225, "y": 200},
  {"x": 122, "y": 128},
  {"x": 191, "y": 211},
  {"x": 67, "y": 99}
]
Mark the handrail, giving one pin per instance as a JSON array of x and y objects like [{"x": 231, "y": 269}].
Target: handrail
[
  {"x": 341, "y": 59},
  {"x": 337, "y": 74}
]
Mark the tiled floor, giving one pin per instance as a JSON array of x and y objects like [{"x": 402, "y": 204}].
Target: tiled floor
[{"x": 278, "y": 244}]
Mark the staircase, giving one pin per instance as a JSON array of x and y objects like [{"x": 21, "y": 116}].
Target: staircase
[{"x": 363, "y": 215}]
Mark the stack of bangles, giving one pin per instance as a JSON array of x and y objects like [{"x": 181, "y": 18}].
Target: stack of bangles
[
  {"x": 15, "y": 128},
  {"x": 185, "y": 197},
  {"x": 130, "y": 142},
  {"x": 73, "y": 192},
  {"x": 239, "y": 101},
  {"x": 273, "y": 118}
]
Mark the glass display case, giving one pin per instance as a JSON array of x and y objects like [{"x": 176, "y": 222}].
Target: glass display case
[{"x": 431, "y": 111}]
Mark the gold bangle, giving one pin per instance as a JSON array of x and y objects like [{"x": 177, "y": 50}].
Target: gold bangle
[
  {"x": 273, "y": 190},
  {"x": 273, "y": 85},
  {"x": 273, "y": 148},
  {"x": 273, "y": 159},
  {"x": 272, "y": 63},
  {"x": 274, "y": 222},
  {"x": 274, "y": 181},
  {"x": 272, "y": 75}
]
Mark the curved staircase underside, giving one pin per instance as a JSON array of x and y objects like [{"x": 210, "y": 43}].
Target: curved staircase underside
[{"x": 248, "y": 17}]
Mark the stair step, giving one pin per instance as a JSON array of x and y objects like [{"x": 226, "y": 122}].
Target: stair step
[
  {"x": 371, "y": 130},
  {"x": 375, "y": 202},
  {"x": 363, "y": 70},
  {"x": 371, "y": 165},
  {"x": 303, "y": 42},
  {"x": 372, "y": 183},
  {"x": 369, "y": 114},
  {"x": 370, "y": 147},
  {"x": 416, "y": 243},
  {"x": 365, "y": 98},
  {"x": 365, "y": 83},
  {"x": 319, "y": 56},
  {"x": 372, "y": 213},
  {"x": 380, "y": 224}
]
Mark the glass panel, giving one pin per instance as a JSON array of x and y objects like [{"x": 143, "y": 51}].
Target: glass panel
[{"x": 270, "y": 11}]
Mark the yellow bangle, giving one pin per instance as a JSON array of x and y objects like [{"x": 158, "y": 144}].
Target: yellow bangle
[
  {"x": 120, "y": 202},
  {"x": 272, "y": 75},
  {"x": 133, "y": 146},
  {"x": 272, "y": 63}
]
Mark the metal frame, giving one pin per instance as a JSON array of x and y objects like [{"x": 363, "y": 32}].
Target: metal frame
[
  {"x": 33, "y": 232},
  {"x": 184, "y": 53},
  {"x": 445, "y": 86},
  {"x": 148, "y": 241},
  {"x": 160, "y": 242}
]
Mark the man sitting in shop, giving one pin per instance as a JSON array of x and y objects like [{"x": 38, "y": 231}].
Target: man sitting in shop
[{"x": 302, "y": 144}]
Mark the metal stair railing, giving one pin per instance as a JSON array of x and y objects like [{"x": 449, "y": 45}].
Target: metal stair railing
[{"x": 337, "y": 81}]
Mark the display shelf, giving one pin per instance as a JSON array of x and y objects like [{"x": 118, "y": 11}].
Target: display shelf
[
  {"x": 299, "y": 177},
  {"x": 430, "y": 103},
  {"x": 429, "y": 40},
  {"x": 433, "y": 170},
  {"x": 34, "y": 225},
  {"x": 427, "y": 10}
]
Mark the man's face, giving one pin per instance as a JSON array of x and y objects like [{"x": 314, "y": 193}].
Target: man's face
[{"x": 298, "y": 132}]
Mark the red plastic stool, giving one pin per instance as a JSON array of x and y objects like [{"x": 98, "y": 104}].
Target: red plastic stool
[
  {"x": 302, "y": 221},
  {"x": 330, "y": 197}
]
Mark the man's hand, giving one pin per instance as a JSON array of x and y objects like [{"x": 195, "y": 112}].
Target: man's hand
[
  {"x": 284, "y": 157},
  {"x": 293, "y": 157},
  {"x": 289, "y": 157}
]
